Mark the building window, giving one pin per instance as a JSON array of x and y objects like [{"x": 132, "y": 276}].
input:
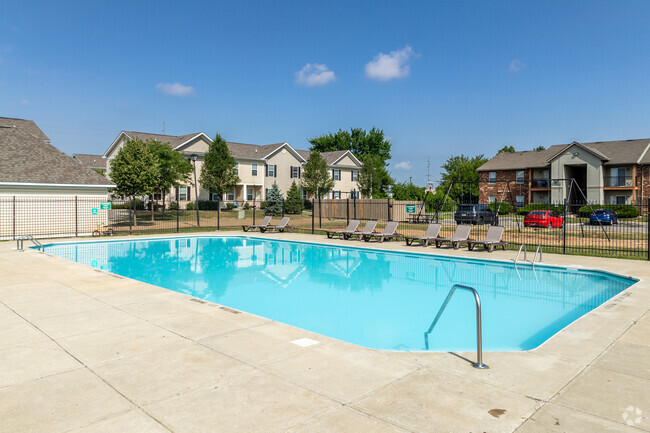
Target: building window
[
  {"x": 237, "y": 168},
  {"x": 618, "y": 199},
  {"x": 249, "y": 194},
  {"x": 214, "y": 196},
  {"x": 520, "y": 176},
  {"x": 336, "y": 194},
  {"x": 492, "y": 177},
  {"x": 520, "y": 201},
  {"x": 492, "y": 198},
  {"x": 336, "y": 174},
  {"x": 271, "y": 171},
  {"x": 304, "y": 194},
  {"x": 354, "y": 194},
  {"x": 183, "y": 193},
  {"x": 157, "y": 195},
  {"x": 230, "y": 195},
  {"x": 254, "y": 169},
  {"x": 295, "y": 172},
  {"x": 355, "y": 175}
]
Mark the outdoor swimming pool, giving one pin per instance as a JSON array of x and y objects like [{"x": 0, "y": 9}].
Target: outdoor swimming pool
[{"x": 377, "y": 299}]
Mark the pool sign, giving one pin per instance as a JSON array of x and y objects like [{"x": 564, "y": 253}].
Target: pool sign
[
  {"x": 105, "y": 205},
  {"x": 94, "y": 211},
  {"x": 410, "y": 208}
]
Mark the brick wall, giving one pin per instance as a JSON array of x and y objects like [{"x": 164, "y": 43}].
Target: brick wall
[{"x": 499, "y": 189}]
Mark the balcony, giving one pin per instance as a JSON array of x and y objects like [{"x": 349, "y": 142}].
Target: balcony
[
  {"x": 625, "y": 182},
  {"x": 540, "y": 184}
]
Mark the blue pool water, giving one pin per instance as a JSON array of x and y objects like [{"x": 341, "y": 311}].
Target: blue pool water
[{"x": 377, "y": 299}]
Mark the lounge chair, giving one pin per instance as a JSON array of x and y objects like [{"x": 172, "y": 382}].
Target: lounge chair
[
  {"x": 429, "y": 236},
  {"x": 281, "y": 227},
  {"x": 492, "y": 239},
  {"x": 461, "y": 234},
  {"x": 367, "y": 230},
  {"x": 388, "y": 233},
  {"x": 351, "y": 228},
  {"x": 264, "y": 224}
]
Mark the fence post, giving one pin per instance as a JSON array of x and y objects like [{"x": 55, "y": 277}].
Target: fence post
[
  {"x": 566, "y": 202},
  {"x": 76, "y": 217},
  {"x": 647, "y": 215},
  {"x": 320, "y": 213},
  {"x": 354, "y": 204},
  {"x": 283, "y": 208},
  {"x": 347, "y": 209},
  {"x": 131, "y": 204},
  {"x": 219, "y": 212},
  {"x": 254, "y": 206},
  {"x": 388, "y": 208},
  {"x": 14, "y": 219},
  {"x": 178, "y": 223},
  {"x": 313, "y": 210}
]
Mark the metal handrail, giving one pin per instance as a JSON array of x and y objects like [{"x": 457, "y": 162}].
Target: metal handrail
[
  {"x": 479, "y": 338},
  {"x": 20, "y": 243},
  {"x": 516, "y": 259},
  {"x": 538, "y": 250}
]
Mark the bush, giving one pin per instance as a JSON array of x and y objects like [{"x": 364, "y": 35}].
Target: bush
[
  {"x": 262, "y": 205},
  {"x": 540, "y": 206},
  {"x": 173, "y": 205},
  {"x": 307, "y": 204},
  {"x": 208, "y": 205},
  {"x": 294, "y": 203},
  {"x": 230, "y": 206},
  {"x": 623, "y": 210},
  {"x": 246, "y": 206},
  {"x": 503, "y": 207},
  {"x": 190, "y": 206},
  {"x": 138, "y": 205}
]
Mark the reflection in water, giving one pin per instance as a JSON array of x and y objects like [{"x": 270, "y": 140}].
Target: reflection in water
[{"x": 372, "y": 298}]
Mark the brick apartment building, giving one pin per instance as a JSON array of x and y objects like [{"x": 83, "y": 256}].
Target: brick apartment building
[{"x": 607, "y": 172}]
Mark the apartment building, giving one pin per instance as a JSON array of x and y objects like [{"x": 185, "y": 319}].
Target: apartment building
[
  {"x": 607, "y": 172},
  {"x": 258, "y": 167}
]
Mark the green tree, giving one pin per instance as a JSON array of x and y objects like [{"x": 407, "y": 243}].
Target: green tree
[
  {"x": 373, "y": 177},
  {"x": 174, "y": 167},
  {"x": 408, "y": 191},
  {"x": 506, "y": 149},
  {"x": 99, "y": 171},
  {"x": 358, "y": 141},
  {"x": 539, "y": 148},
  {"x": 274, "y": 201},
  {"x": 135, "y": 170},
  {"x": 218, "y": 173},
  {"x": 315, "y": 176},
  {"x": 294, "y": 203},
  {"x": 460, "y": 172}
]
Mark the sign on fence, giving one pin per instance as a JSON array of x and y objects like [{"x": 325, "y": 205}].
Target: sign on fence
[
  {"x": 94, "y": 211},
  {"x": 410, "y": 208},
  {"x": 105, "y": 205}
]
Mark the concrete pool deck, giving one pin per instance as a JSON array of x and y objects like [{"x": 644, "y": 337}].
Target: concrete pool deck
[{"x": 82, "y": 350}]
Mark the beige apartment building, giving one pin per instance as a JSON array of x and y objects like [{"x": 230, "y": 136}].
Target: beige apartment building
[{"x": 258, "y": 168}]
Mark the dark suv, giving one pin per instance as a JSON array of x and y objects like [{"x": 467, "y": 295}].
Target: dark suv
[{"x": 475, "y": 214}]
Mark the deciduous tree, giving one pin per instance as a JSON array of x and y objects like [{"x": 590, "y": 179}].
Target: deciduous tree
[
  {"x": 460, "y": 172},
  {"x": 135, "y": 170},
  {"x": 315, "y": 176},
  {"x": 218, "y": 173}
]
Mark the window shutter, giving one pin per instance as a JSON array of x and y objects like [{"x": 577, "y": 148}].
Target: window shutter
[
  {"x": 351, "y": 174},
  {"x": 291, "y": 171},
  {"x": 275, "y": 171},
  {"x": 266, "y": 170},
  {"x": 188, "y": 193},
  {"x": 332, "y": 173},
  {"x": 299, "y": 171}
]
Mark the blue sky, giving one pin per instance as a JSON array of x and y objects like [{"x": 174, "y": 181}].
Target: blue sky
[{"x": 440, "y": 78}]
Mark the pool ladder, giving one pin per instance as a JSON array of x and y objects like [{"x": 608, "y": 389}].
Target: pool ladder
[
  {"x": 538, "y": 253},
  {"x": 20, "y": 243},
  {"x": 479, "y": 338}
]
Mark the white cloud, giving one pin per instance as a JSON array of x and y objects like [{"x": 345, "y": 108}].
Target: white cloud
[
  {"x": 516, "y": 65},
  {"x": 404, "y": 165},
  {"x": 175, "y": 89},
  {"x": 314, "y": 74},
  {"x": 385, "y": 67}
]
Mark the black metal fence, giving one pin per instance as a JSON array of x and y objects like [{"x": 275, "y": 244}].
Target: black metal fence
[{"x": 573, "y": 232}]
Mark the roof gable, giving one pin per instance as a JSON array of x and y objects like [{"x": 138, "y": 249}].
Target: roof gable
[{"x": 594, "y": 152}]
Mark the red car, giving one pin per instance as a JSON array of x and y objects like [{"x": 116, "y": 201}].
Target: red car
[{"x": 543, "y": 218}]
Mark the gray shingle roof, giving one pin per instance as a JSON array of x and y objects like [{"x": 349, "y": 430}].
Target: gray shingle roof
[
  {"x": 26, "y": 155},
  {"x": 90, "y": 161},
  {"x": 621, "y": 152},
  {"x": 251, "y": 151},
  {"x": 173, "y": 140},
  {"x": 330, "y": 157}
]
